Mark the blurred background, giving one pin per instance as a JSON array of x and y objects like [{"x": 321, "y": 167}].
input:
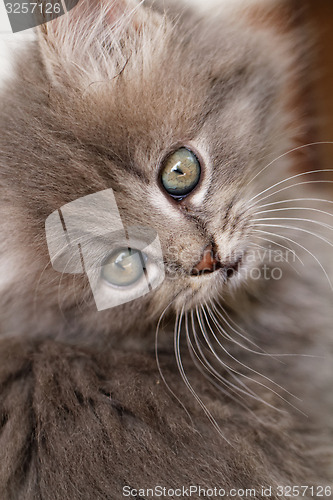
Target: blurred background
[{"x": 320, "y": 14}]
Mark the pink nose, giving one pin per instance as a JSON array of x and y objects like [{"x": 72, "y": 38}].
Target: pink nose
[{"x": 208, "y": 262}]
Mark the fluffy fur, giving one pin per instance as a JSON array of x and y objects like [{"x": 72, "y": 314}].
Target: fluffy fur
[{"x": 98, "y": 101}]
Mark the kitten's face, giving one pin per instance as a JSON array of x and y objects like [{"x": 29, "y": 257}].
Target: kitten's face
[{"x": 166, "y": 89}]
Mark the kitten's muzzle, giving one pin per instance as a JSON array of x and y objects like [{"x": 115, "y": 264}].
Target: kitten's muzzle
[{"x": 210, "y": 263}]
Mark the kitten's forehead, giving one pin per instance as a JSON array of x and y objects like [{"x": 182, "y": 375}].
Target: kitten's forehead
[{"x": 168, "y": 90}]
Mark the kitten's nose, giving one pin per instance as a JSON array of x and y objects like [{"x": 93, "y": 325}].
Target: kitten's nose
[{"x": 207, "y": 264}]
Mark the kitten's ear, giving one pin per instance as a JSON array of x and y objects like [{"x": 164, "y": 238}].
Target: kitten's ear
[{"x": 91, "y": 39}]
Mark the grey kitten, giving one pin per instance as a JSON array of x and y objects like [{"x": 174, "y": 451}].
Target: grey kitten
[{"x": 189, "y": 119}]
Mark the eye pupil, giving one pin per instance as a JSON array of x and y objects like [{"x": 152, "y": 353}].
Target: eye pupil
[{"x": 180, "y": 173}]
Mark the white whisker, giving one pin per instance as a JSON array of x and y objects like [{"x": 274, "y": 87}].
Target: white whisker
[
  {"x": 246, "y": 390},
  {"x": 298, "y": 244},
  {"x": 283, "y": 257},
  {"x": 311, "y": 209},
  {"x": 293, "y": 150},
  {"x": 224, "y": 333},
  {"x": 322, "y": 224},
  {"x": 262, "y": 353},
  {"x": 289, "y": 187},
  {"x": 283, "y": 226},
  {"x": 234, "y": 371},
  {"x": 157, "y": 358},
  {"x": 250, "y": 369},
  {"x": 202, "y": 362},
  {"x": 186, "y": 381},
  {"x": 293, "y": 200}
]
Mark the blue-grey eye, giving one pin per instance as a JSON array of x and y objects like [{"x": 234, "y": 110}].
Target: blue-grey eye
[
  {"x": 180, "y": 173},
  {"x": 123, "y": 267}
]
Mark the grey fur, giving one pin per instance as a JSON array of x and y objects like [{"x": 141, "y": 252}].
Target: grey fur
[{"x": 84, "y": 409}]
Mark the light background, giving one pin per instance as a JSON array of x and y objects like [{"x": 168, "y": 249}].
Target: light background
[{"x": 8, "y": 41}]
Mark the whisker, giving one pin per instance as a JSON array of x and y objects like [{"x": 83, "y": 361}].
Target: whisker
[
  {"x": 275, "y": 251},
  {"x": 250, "y": 369},
  {"x": 285, "y": 258},
  {"x": 233, "y": 370},
  {"x": 211, "y": 370},
  {"x": 275, "y": 355},
  {"x": 186, "y": 381},
  {"x": 289, "y": 187},
  {"x": 282, "y": 246},
  {"x": 262, "y": 353},
  {"x": 298, "y": 148},
  {"x": 283, "y": 226},
  {"x": 202, "y": 362},
  {"x": 246, "y": 390},
  {"x": 322, "y": 224},
  {"x": 295, "y": 176},
  {"x": 298, "y": 244},
  {"x": 294, "y": 199},
  {"x": 229, "y": 337},
  {"x": 311, "y": 209},
  {"x": 157, "y": 358}
]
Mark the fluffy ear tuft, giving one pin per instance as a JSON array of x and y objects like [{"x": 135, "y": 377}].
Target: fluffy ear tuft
[{"x": 83, "y": 39}]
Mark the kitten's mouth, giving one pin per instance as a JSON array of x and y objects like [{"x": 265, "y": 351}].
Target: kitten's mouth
[{"x": 210, "y": 263}]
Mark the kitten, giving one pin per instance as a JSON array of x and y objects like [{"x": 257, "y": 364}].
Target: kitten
[{"x": 107, "y": 98}]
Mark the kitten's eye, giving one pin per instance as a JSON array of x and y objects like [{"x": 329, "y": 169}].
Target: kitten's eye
[
  {"x": 181, "y": 173},
  {"x": 123, "y": 267}
]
